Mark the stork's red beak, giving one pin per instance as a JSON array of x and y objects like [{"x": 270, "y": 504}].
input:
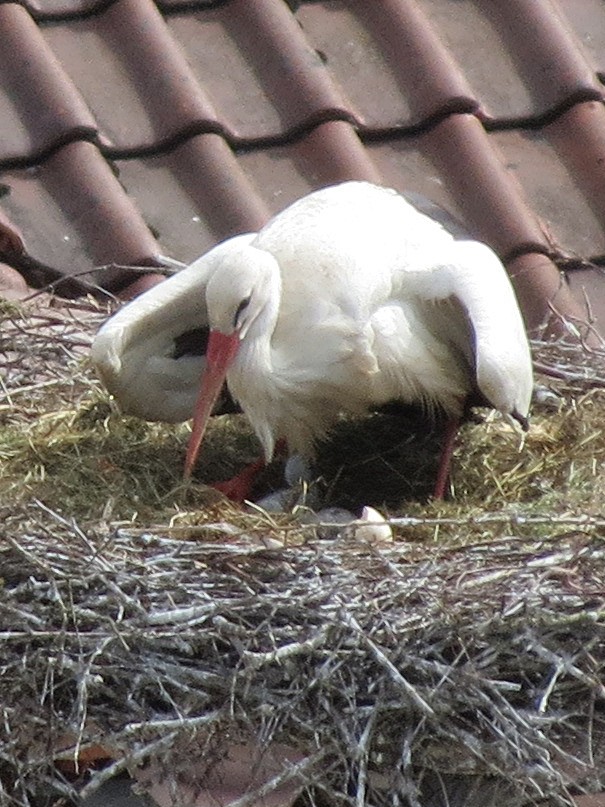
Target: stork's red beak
[{"x": 222, "y": 349}]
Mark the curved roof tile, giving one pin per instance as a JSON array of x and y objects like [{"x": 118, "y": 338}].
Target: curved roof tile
[{"x": 132, "y": 128}]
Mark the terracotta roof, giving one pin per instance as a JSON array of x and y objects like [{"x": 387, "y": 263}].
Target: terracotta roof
[{"x": 134, "y": 128}]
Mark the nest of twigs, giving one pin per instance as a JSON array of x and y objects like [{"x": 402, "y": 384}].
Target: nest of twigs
[{"x": 461, "y": 663}]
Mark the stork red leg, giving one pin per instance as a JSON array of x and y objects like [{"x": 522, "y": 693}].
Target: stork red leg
[
  {"x": 239, "y": 487},
  {"x": 449, "y": 441}
]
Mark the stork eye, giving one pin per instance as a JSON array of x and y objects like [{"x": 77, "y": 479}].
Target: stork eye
[{"x": 240, "y": 309}]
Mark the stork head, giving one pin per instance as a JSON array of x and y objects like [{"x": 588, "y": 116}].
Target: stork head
[
  {"x": 242, "y": 298},
  {"x": 240, "y": 289}
]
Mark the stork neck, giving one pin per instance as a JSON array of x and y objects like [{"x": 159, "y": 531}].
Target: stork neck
[
  {"x": 254, "y": 355},
  {"x": 250, "y": 378},
  {"x": 255, "y": 348}
]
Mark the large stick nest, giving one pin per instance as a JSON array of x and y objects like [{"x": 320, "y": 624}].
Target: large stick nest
[{"x": 463, "y": 660}]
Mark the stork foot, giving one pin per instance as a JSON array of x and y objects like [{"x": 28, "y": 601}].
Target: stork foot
[{"x": 239, "y": 487}]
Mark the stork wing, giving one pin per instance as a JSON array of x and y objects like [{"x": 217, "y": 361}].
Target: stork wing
[
  {"x": 150, "y": 354},
  {"x": 473, "y": 275}
]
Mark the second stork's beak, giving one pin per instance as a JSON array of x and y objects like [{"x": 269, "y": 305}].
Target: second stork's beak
[{"x": 222, "y": 349}]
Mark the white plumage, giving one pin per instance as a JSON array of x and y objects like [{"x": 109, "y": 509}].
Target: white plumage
[{"x": 348, "y": 299}]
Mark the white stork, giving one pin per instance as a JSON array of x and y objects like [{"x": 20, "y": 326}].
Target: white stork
[{"x": 348, "y": 299}]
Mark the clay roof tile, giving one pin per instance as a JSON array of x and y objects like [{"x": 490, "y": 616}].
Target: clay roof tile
[{"x": 135, "y": 128}]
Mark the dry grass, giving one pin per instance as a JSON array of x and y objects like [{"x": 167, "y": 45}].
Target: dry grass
[
  {"x": 62, "y": 441},
  {"x": 479, "y": 629}
]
